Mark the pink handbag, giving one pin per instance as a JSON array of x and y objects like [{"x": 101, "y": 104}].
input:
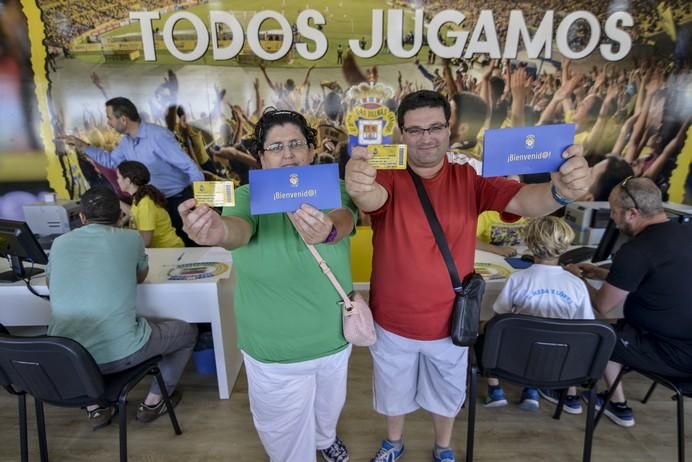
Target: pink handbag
[{"x": 359, "y": 327}]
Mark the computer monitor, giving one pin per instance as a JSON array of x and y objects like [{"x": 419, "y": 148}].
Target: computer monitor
[
  {"x": 19, "y": 244},
  {"x": 610, "y": 243}
]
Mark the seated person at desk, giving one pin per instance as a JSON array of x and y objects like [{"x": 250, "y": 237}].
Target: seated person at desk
[
  {"x": 93, "y": 273},
  {"x": 148, "y": 213},
  {"x": 289, "y": 324},
  {"x": 546, "y": 290},
  {"x": 651, "y": 273}
]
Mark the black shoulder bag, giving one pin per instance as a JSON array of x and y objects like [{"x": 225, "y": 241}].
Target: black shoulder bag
[{"x": 466, "y": 312}]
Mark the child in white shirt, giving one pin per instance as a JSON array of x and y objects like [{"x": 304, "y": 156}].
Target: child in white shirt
[{"x": 546, "y": 290}]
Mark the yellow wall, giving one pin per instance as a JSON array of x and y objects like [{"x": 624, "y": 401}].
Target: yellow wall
[{"x": 361, "y": 254}]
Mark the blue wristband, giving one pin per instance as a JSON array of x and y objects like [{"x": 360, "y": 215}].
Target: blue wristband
[
  {"x": 331, "y": 236},
  {"x": 558, "y": 198}
]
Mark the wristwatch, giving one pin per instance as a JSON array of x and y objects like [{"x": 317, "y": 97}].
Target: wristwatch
[
  {"x": 562, "y": 200},
  {"x": 331, "y": 236}
]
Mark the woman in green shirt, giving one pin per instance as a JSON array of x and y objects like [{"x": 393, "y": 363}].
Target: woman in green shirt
[{"x": 287, "y": 311}]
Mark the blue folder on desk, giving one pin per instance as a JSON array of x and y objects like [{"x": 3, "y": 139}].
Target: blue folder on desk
[
  {"x": 285, "y": 189},
  {"x": 518, "y": 151}
]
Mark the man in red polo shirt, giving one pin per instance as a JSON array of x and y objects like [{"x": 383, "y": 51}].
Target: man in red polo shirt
[{"x": 415, "y": 362}]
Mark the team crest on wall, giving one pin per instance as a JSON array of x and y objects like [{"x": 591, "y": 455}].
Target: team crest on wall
[{"x": 369, "y": 121}]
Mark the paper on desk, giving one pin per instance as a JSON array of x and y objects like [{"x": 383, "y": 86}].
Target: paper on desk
[{"x": 218, "y": 254}]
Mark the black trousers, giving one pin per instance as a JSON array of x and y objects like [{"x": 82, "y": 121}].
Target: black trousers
[{"x": 172, "y": 204}]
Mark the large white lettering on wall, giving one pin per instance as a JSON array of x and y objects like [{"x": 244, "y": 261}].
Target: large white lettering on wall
[{"x": 446, "y": 35}]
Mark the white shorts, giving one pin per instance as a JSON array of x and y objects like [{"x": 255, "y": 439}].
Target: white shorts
[
  {"x": 410, "y": 374},
  {"x": 296, "y": 406}
]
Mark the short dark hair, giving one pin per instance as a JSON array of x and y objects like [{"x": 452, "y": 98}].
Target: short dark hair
[
  {"x": 419, "y": 99},
  {"x": 273, "y": 117},
  {"x": 123, "y": 107},
  {"x": 100, "y": 205},
  {"x": 471, "y": 110}
]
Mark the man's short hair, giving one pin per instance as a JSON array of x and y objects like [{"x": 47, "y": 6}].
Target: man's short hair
[
  {"x": 123, "y": 107},
  {"x": 645, "y": 193},
  {"x": 100, "y": 205},
  {"x": 419, "y": 99},
  {"x": 471, "y": 110},
  {"x": 548, "y": 237}
]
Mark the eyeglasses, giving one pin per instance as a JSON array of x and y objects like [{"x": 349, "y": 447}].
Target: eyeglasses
[
  {"x": 433, "y": 130},
  {"x": 623, "y": 185},
  {"x": 293, "y": 146}
]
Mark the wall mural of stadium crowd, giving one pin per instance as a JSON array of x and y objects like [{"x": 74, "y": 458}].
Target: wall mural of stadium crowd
[{"x": 620, "y": 70}]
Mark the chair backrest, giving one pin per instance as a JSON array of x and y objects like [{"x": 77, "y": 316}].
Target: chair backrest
[
  {"x": 52, "y": 369},
  {"x": 550, "y": 353}
]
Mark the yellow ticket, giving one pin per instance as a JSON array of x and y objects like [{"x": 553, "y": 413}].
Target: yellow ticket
[
  {"x": 214, "y": 193},
  {"x": 388, "y": 156}
]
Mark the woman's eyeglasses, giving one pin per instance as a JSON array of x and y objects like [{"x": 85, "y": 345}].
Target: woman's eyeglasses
[{"x": 293, "y": 146}]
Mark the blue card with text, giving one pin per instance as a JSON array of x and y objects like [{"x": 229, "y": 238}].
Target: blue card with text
[
  {"x": 517, "y": 151},
  {"x": 285, "y": 189}
]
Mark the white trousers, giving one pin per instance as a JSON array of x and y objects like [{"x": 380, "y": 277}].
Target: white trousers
[{"x": 296, "y": 406}]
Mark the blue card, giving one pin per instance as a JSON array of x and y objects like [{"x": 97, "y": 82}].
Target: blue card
[
  {"x": 285, "y": 189},
  {"x": 517, "y": 151}
]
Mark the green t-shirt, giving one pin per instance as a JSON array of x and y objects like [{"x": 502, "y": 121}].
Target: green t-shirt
[
  {"x": 286, "y": 309},
  {"x": 93, "y": 286}
]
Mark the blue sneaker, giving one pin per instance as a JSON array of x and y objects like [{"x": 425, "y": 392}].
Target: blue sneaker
[
  {"x": 530, "y": 401},
  {"x": 388, "y": 453},
  {"x": 572, "y": 403},
  {"x": 496, "y": 397},
  {"x": 620, "y": 413},
  {"x": 337, "y": 452},
  {"x": 445, "y": 456}
]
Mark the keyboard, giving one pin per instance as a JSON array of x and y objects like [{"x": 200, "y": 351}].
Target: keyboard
[{"x": 576, "y": 255}]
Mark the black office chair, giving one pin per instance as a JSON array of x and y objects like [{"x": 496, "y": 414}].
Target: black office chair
[
  {"x": 547, "y": 353},
  {"x": 59, "y": 371},
  {"x": 682, "y": 387}
]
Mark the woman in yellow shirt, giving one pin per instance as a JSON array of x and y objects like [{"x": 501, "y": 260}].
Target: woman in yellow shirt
[{"x": 148, "y": 213}]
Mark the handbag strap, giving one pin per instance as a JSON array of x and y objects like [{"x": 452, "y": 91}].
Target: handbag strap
[
  {"x": 326, "y": 270},
  {"x": 437, "y": 231}
]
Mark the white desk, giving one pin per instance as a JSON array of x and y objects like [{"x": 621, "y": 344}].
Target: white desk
[
  {"x": 203, "y": 300},
  {"x": 493, "y": 287}
]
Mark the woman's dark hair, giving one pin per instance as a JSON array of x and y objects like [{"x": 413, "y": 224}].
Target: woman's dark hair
[
  {"x": 100, "y": 205},
  {"x": 419, "y": 99},
  {"x": 138, "y": 174},
  {"x": 273, "y": 117}
]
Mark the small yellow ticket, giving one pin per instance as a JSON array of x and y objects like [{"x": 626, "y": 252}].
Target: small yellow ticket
[
  {"x": 214, "y": 193},
  {"x": 388, "y": 156}
]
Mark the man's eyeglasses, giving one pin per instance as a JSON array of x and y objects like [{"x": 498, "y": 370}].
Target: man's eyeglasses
[
  {"x": 433, "y": 130},
  {"x": 293, "y": 146},
  {"x": 623, "y": 185}
]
